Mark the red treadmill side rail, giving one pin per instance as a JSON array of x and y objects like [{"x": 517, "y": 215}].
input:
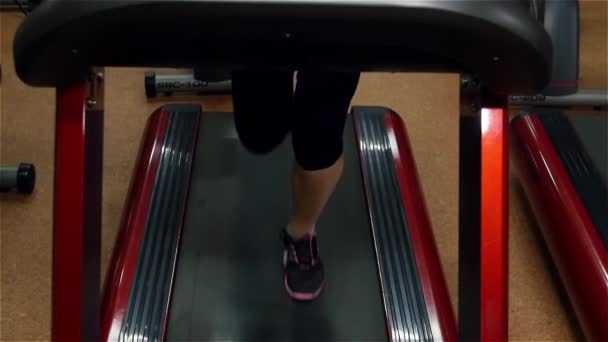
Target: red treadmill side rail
[
  {"x": 126, "y": 251},
  {"x": 439, "y": 308},
  {"x": 575, "y": 246},
  {"x": 494, "y": 225},
  {"x": 483, "y": 224},
  {"x": 76, "y": 217}
]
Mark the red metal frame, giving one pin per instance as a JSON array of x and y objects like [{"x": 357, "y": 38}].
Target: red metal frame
[
  {"x": 483, "y": 225},
  {"x": 494, "y": 225},
  {"x": 439, "y": 307},
  {"x": 126, "y": 250},
  {"x": 575, "y": 246},
  {"x": 77, "y": 217}
]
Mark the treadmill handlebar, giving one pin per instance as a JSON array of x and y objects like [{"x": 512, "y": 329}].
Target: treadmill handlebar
[
  {"x": 583, "y": 98},
  {"x": 170, "y": 85}
]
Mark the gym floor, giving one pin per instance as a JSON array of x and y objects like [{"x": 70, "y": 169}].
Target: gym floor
[{"x": 538, "y": 308}]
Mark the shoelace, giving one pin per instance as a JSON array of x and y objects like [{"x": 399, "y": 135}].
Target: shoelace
[{"x": 303, "y": 252}]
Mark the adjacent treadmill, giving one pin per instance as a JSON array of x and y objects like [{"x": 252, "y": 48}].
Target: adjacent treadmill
[
  {"x": 198, "y": 253},
  {"x": 562, "y": 163},
  {"x": 560, "y": 153}
]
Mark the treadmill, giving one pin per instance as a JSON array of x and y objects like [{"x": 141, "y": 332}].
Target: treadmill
[
  {"x": 562, "y": 164},
  {"x": 560, "y": 154},
  {"x": 197, "y": 256},
  {"x": 208, "y": 253}
]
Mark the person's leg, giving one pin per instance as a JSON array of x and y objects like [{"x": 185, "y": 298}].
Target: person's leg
[
  {"x": 263, "y": 102},
  {"x": 320, "y": 106},
  {"x": 310, "y": 192}
]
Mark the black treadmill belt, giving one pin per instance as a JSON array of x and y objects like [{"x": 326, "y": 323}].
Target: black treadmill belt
[
  {"x": 229, "y": 284},
  {"x": 582, "y": 145},
  {"x": 593, "y": 132}
]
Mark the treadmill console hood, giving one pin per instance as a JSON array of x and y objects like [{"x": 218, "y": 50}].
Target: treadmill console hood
[{"x": 497, "y": 40}]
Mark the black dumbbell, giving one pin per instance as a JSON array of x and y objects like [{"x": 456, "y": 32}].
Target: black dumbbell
[{"x": 21, "y": 179}]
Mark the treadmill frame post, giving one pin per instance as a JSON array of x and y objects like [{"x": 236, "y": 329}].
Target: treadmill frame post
[
  {"x": 483, "y": 215},
  {"x": 77, "y": 210}
]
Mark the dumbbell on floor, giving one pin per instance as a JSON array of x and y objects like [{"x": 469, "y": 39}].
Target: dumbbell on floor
[{"x": 21, "y": 179}]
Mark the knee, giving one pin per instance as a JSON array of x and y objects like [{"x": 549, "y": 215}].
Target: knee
[
  {"x": 256, "y": 136},
  {"x": 259, "y": 144},
  {"x": 318, "y": 138},
  {"x": 317, "y": 155}
]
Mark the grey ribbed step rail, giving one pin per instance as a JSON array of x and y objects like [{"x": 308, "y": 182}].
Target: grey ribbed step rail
[
  {"x": 583, "y": 172},
  {"x": 404, "y": 301},
  {"x": 145, "y": 316}
]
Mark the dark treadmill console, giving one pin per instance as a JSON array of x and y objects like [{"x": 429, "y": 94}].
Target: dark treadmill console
[
  {"x": 498, "y": 40},
  {"x": 204, "y": 262},
  {"x": 562, "y": 163}
]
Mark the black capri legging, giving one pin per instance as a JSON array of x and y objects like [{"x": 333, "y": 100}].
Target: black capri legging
[{"x": 266, "y": 108}]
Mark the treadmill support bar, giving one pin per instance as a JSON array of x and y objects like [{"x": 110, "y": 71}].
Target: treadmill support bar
[
  {"x": 483, "y": 215},
  {"x": 77, "y": 211}
]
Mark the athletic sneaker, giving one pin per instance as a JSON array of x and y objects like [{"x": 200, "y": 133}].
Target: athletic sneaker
[{"x": 304, "y": 278}]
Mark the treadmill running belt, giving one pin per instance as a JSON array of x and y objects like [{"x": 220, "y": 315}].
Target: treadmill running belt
[
  {"x": 229, "y": 284},
  {"x": 593, "y": 133},
  {"x": 207, "y": 259},
  {"x": 582, "y": 145}
]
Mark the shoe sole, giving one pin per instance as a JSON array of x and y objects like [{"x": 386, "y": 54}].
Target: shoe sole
[{"x": 300, "y": 296}]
